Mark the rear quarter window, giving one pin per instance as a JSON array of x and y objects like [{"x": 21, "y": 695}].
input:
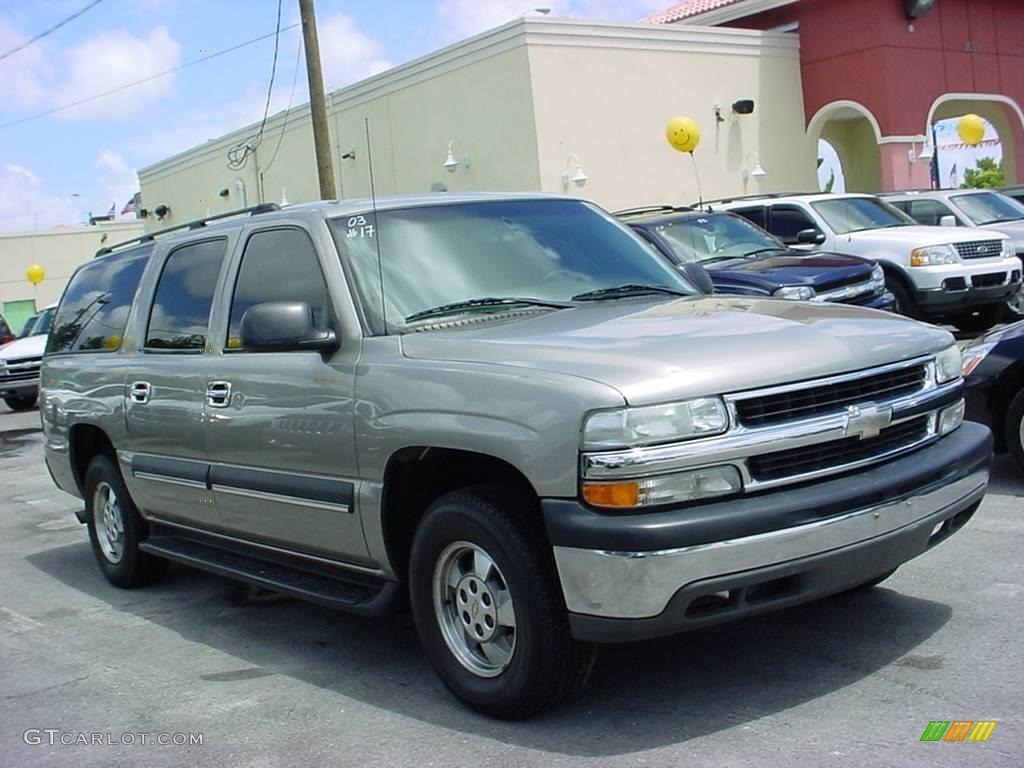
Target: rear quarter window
[{"x": 94, "y": 309}]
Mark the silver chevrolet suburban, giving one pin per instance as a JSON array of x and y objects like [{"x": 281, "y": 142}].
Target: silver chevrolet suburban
[{"x": 503, "y": 411}]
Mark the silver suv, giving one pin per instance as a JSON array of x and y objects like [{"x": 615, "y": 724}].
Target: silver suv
[
  {"x": 983, "y": 208},
  {"x": 959, "y": 276},
  {"x": 505, "y": 411}
]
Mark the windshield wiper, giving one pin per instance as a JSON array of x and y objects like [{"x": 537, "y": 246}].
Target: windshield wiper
[
  {"x": 483, "y": 302},
  {"x": 764, "y": 250},
  {"x": 630, "y": 289}
]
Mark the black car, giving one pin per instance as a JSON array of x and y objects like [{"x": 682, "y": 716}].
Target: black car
[
  {"x": 994, "y": 372},
  {"x": 744, "y": 259}
]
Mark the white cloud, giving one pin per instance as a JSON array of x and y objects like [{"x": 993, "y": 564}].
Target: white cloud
[
  {"x": 348, "y": 54},
  {"x": 112, "y": 58},
  {"x": 24, "y": 205},
  {"x": 117, "y": 180},
  {"x": 462, "y": 18},
  {"x": 22, "y": 74}
]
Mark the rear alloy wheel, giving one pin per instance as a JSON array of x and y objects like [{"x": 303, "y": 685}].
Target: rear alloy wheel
[
  {"x": 1015, "y": 429},
  {"x": 21, "y": 403},
  {"x": 979, "y": 320},
  {"x": 488, "y": 605}
]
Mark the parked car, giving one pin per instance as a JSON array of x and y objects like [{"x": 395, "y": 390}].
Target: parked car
[
  {"x": 968, "y": 208},
  {"x": 505, "y": 409},
  {"x": 744, "y": 259},
  {"x": 5, "y": 332},
  {"x": 962, "y": 276},
  {"x": 994, "y": 372},
  {"x": 20, "y": 360},
  {"x": 1016, "y": 192}
]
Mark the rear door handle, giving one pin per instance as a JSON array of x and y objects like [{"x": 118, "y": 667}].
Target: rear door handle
[
  {"x": 140, "y": 391},
  {"x": 218, "y": 394}
]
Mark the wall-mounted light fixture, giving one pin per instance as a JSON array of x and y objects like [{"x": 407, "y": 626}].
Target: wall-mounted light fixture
[
  {"x": 350, "y": 154},
  {"x": 927, "y": 151},
  {"x": 718, "y": 114},
  {"x": 916, "y": 9},
  {"x": 743, "y": 107},
  {"x": 162, "y": 211},
  {"x": 756, "y": 171},
  {"x": 450, "y": 163},
  {"x": 573, "y": 176}
]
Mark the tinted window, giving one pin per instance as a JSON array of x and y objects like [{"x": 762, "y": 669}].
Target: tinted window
[
  {"x": 928, "y": 212},
  {"x": 94, "y": 310},
  {"x": 278, "y": 265},
  {"x": 755, "y": 214},
  {"x": 788, "y": 221},
  {"x": 181, "y": 307}
]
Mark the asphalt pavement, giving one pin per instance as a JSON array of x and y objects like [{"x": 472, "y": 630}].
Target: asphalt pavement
[{"x": 848, "y": 681}]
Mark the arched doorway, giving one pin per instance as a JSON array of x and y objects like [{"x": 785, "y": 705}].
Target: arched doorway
[
  {"x": 1005, "y": 117},
  {"x": 852, "y": 131},
  {"x": 831, "y": 176}
]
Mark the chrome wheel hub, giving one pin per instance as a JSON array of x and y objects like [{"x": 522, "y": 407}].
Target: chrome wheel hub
[
  {"x": 109, "y": 522},
  {"x": 474, "y": 609}
]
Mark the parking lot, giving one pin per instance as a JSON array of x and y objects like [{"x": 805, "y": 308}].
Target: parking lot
[{"x": 848, "y": 681}]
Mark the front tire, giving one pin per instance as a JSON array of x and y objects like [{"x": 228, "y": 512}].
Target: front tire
[
  {"x": 116, "y": 528},
  {"x": 21, "y": 403},
  {"x": 1015, "y": 429},
  {"x": 488, "y": 607},
  {"x": 903, "y": 299}
]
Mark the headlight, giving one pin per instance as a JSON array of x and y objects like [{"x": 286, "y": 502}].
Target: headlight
[
  {"x": 796, "y": 292},
  {"x": 974, "y": 355},
  {"x": 677, "y": 487},
  {"x": 948, "y": 364},
  {"x": 633, "y": 427},
  {"x": 952, "y": 417},
  {"x": 931, "y": 255}
]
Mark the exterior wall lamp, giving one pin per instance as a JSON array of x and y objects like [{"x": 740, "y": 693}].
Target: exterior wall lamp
[
  {"x": 577, "y": 177},
  {"x": 450, "y": 163},
  {"x": 756, "y": 171}
]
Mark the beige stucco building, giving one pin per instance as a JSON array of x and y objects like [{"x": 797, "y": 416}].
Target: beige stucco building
[
  {"x": 520, "y": 106},
  {"x": 59, "y": 252}
]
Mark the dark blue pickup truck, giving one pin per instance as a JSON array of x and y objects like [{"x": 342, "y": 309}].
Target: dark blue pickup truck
[{"x": 744, "y": 259}]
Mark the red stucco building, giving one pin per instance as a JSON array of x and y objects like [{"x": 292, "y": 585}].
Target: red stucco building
[{"x": 875, "y": 79}]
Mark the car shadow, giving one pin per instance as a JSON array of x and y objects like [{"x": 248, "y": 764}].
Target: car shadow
[
  {"x": 1007, "y": 478},
  {"x": 641, "y": 696}
]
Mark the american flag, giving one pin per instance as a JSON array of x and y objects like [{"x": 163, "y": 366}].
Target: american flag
[{"x": 132, "y": 206}]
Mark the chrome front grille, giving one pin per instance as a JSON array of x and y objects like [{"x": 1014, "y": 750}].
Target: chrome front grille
[
  {"x": 832, "y": 397},
  {"x": 838, "y": 453},
  {"x": 979, "y": 249},
  {"x": 24, "y": 369}
]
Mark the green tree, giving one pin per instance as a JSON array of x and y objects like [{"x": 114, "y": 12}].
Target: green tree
[{"x": 988, "y": 175}]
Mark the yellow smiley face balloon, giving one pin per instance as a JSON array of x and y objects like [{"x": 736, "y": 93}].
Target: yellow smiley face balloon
[
  {"x": 682, "y": 133},
  {"x": 971, "y": 129}
]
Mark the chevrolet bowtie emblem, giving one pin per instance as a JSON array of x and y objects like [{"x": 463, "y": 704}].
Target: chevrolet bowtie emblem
[{"x": 866, "y": 421}]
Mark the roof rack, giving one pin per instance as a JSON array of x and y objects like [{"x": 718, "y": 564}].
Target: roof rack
[
  {"x": 651, "y": 209},
  {"x": 760, "y": 196},
  {"x": 252, "y": 210}
]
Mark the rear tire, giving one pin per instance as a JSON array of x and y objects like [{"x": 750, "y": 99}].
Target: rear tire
[
  {"x": 979, "y": 320},
  {"x": 488, "y": 605},
  {"x": 116, "y": 529},
  {"x": 21, "y": 403},
  {"x": 1015, "y": 429}
]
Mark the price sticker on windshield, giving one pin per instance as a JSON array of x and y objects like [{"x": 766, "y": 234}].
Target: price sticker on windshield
[{"x": 357, "y": 227}]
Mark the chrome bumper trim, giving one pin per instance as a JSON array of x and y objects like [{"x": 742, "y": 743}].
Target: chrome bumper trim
[{"x": 635, "y": 585}]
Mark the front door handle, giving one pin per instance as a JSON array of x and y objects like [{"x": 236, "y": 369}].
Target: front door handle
[
  {"x": 140, "y": 391},
  {"x": 218, "y": 394}
]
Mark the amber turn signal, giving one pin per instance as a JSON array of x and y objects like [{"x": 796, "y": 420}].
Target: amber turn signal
[{"x": 612, "y": 494}]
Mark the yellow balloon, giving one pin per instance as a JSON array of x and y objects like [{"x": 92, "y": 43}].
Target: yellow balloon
[
  {"x": 35, "y": 274},
  {"x": 682, "y": 133},
  {"x": 971, "y": 129}
]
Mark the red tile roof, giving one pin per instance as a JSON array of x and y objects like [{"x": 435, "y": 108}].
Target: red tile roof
[{"x": 686, "y": 9}]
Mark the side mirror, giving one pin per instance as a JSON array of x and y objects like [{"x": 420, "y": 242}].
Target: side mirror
[
  {"x": 698, "y": 277},
  {"x": 810, "y": 236},
  {"x": 280, "y": 326},
  {"x": 949, "y": 220}
]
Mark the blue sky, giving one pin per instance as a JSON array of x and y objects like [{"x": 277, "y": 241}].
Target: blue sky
[{"x": 55, "y": 169}]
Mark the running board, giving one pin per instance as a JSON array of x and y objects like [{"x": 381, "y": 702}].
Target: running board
[{"x": 333, "y": 586}]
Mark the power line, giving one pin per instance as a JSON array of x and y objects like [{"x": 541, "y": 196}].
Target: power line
[
  {"x": 288, "y": 110},
  {"x": 166, "y": 72},
  {"x": 237, "y": 161},
  {"x": 49, "y": 31}
]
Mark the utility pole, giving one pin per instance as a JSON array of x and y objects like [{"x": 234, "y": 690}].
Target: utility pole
[{"x": 317, "y": 108}]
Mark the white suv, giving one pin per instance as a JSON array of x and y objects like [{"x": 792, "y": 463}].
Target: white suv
[{"x": 961, "y": 275}]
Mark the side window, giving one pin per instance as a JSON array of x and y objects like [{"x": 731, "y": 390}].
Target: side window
[
  {"x": 788, "y": 220},
  {"x": 278, "y": 265},
  {"x": 928, "y": 212},
  {"x": 181, "y": 307},
  {"x": 755, "y": 214},
  {"x": 94, "y": 309}
]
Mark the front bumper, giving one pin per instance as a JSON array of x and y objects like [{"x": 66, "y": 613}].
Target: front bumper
[
  {"x": 959, "y": 293},
  {"x": 19, "y": 388},
  {"x": 884, "y": 300},
  {"x": 630, "y": 577}
]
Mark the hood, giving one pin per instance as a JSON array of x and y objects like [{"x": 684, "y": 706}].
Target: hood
[
  {"x": 658, "y": 351},
  {"x": 784, "y": 267},
  {"x": 915, "y": 236},
  {"x": 30, "y": 346}
]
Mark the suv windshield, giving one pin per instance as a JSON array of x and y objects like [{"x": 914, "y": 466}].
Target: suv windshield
[
  {"x": 484, "y": 255},
  {"x": 988, "y": 207},
  {"x": 857, "y": 214},
  {"x": 715, "y": 237},
  {"x": 39, "y": 324}
]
